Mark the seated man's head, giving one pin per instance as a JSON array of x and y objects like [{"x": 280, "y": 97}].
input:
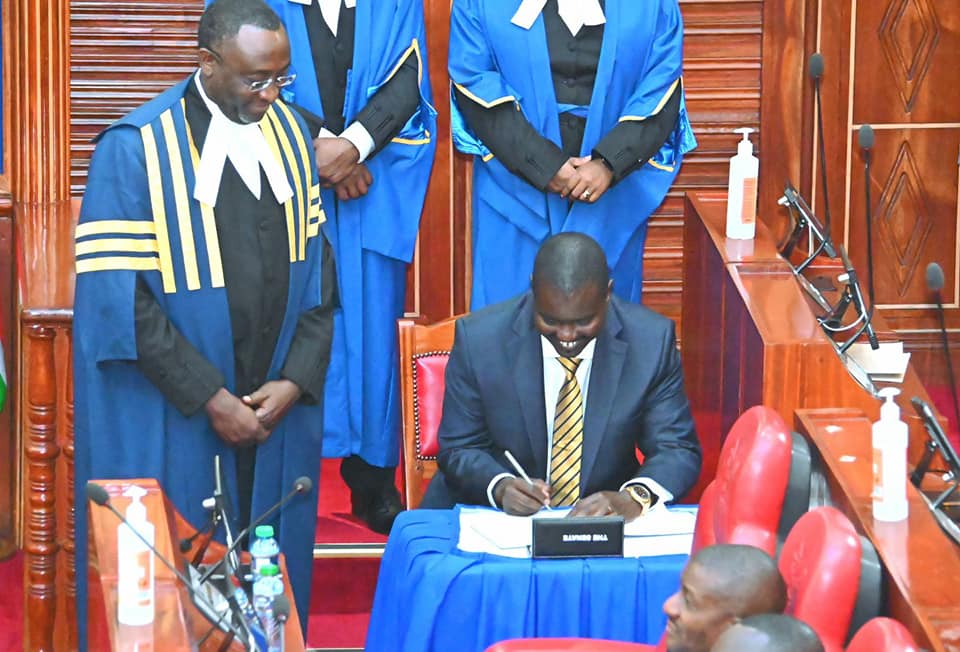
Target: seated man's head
[
  {"x": 571, "y": 290},
  {"x": 768, "y": 633},
  {"x": 720, "y": 585},
  {"x": 244, "y": 57}
]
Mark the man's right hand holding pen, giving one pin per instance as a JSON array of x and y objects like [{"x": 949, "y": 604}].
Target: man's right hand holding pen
[{"x": 521, "y": 498}]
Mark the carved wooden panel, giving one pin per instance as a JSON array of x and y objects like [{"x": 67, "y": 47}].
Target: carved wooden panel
[{"x": 892, "y": 64}]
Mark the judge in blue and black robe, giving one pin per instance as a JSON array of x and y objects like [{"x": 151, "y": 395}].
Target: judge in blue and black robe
[
  {"x": 362, "y": 68},
  {"x": 176, "y": 299},
  {"x": 527, "y": 99}
]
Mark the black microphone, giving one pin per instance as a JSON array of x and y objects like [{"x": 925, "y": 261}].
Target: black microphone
[
  {"x": 935, "y": 285},
  {"x": 281, "y": 611},
  {"x": 865, "y": 137},
  {"x": 301, "y": 485},
  {"x": 815, "y": 70},
  {"x": 99, "y": 495}
]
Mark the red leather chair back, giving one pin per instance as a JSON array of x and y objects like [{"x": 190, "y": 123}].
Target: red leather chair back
[
  {"x": 744, "y": 501},
  {"x": 428, "y": 387},
  {"x": 883, "y": 635},
  {"x": 820, "y": 562},
  {"x": 566, "y": 645},
  {"x": 424, "y": 351}
]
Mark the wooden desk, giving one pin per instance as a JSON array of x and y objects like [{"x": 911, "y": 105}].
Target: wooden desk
[
  {"x": 921, "y": 564},
  {"x": 750, "y": 335},
  {"x": 178, "y": 624}
]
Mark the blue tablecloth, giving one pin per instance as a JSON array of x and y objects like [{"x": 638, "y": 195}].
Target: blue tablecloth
[{"x": 432, "y": 596}]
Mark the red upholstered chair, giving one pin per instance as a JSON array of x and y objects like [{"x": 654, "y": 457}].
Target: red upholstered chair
[
  {"x": 743, "y": 503},
  {"x": 423, "y": 360},
  {"x": 883, "y": 635},
  {"x": 820, "y": 562},
  {"x": 565, "y": 645}
]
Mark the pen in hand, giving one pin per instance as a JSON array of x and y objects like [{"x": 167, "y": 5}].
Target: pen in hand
[{"x": 523, "y": 474}]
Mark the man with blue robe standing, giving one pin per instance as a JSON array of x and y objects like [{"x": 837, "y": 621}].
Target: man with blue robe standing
[
  {"x": 575, "y": 114},
  {"x": 203, "y": 316},
  {"x": 361, "y": 67}
]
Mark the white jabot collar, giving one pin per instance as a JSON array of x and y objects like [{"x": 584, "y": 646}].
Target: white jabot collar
[
  {"x": 330, "y": 10},
  {"x": 247, "y": 149},
  {"x": 574, "y": 13}
]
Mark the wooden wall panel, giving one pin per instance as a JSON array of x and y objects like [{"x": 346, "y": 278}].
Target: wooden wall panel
[
  {"x": 123, "y": 54},
  {"x": 892, "y": 64},
  {"x": 722, "y": 51}
]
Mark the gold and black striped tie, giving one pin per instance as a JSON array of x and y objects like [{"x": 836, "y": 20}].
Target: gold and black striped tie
[{"x": 567, "y": 446}]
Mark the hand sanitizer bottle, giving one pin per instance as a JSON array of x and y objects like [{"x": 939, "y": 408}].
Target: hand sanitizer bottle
[
  {"x": 742, "y": 190},
  {"x": 135, "y": 563},
  {"x": 889, "y": 461}
]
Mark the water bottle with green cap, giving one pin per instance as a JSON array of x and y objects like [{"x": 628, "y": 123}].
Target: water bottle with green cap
[{"x": 264, "y": 549}]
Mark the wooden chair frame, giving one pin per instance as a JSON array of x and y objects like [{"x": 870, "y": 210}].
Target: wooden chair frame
[{"x": 417, "y": 341}]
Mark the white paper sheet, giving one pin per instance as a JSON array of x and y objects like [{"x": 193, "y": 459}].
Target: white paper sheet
[{"x": 660, "y": 532}]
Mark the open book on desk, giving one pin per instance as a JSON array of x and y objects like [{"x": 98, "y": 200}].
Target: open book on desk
[{"x": 662, "y": 531}]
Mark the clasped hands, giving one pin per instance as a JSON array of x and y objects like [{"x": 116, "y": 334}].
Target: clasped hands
[
  {"x": 519, "y": 498},
  {"x": 339, "y": 167},
  {"x": 582, "y": 179},
  {"x": 248, "y": 420}
]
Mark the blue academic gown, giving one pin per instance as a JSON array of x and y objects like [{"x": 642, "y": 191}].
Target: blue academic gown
[
  {"x": 139, "y": 220},
  {"x": 373, "y": 237},
  {"x": 493, "y": 61}
]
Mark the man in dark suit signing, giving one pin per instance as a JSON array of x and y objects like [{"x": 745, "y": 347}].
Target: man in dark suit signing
[{"x": 570, "y": 380}]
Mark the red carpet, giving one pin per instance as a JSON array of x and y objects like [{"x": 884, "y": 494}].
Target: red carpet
[
  {"x": 342, "y": 593},
  {"x": 11, "y": 604},
  {"x": 335, "y": 523}
]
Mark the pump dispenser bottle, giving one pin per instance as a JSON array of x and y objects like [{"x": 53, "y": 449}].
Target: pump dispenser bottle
[
  {"x": 889, "y": 461},
  {"x": 135, "y": 563},
  {"x": 742, "y": 190}
]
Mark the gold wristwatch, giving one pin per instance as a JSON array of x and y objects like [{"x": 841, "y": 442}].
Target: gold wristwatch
[{"x": 641, "y": 495}]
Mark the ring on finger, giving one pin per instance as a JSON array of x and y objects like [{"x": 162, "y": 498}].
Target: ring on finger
[{"x": 585, "y": 194}]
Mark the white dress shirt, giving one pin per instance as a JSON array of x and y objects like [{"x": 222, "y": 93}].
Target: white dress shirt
[
  {"x": 574, "y": 13},
  {"x": 356, "y": 133},
  {"x": 554, "y": 375}
]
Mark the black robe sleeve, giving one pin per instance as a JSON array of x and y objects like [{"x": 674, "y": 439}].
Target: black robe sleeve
[
  {"x": 631, "y": 143},
  {"x": 513, "y": 140},
  {"x": 392, "y": 105},
  {"x": 168, "y": 360},
  {"x": 309, "y": 354}
]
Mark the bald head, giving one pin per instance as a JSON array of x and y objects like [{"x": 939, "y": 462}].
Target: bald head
[
  {"x": 747, "y": 577},
  {"x": 768, "y": 633},
  {"x": 570, "y": 261},
  {"x": 720, "y": 585}
]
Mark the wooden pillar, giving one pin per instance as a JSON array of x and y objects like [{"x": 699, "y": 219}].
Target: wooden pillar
[{"x": 39, "y": 155}]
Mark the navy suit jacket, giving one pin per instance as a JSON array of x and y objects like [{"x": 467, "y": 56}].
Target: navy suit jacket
[{"x": 494, "y": 401}]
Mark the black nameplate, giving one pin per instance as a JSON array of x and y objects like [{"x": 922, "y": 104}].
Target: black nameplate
[{"x": 600, "y": 536}]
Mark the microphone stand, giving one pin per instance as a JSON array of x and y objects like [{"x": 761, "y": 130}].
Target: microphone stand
[
  {"x": 300, "y": 486},
  {"x": 804, "y": 219}
]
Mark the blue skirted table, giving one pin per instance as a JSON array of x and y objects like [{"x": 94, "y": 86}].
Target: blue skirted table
[{"x": 432, "y": 596}]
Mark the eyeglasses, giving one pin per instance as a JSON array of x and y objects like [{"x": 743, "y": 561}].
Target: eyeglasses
[{"x": 257, "y": 85}]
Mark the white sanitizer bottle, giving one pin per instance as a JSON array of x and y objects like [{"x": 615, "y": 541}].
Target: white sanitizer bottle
[
  {"x": 889, "y": 461},
  {"x": 135, "y": 604},
  {"x": 742, "y": 190}
]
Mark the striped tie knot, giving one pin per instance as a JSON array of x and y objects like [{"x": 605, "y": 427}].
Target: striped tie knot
[{"x": 570, "y": 365}]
